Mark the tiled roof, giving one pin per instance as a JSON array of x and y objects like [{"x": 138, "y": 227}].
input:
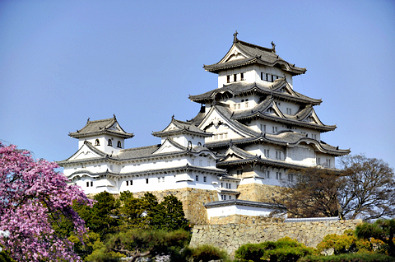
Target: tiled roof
[
  {"x": 108, "y": 126},
  {"x": 283, "y": 138},
  {"x": 260, "y": 111},
  {"x": 223, "y": 109},
  {"x": 255, "y": 55},
  {"x": 182, "y": 128},
  {"x": 240, "y": 88}
]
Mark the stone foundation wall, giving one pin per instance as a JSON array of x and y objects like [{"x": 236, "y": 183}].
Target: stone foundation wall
[
  {"x": 258, "y": 192},
  {"x": 231, "y": 236},
  {"x": 245, "y": 220},
  {"x": 192, "y": 202}
]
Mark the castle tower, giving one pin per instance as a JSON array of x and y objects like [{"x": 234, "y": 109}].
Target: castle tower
[{"x": 260, "y": 124}]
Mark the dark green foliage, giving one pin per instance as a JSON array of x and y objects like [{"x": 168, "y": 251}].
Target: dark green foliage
[
  {"x": 249, "y": 252},
  {"x": 171, "y": 215},
  {"x": 102, "y": 217},
  {"x": 383, "y": 230},
  {"x": 147, "y": 213},
  {"x": 206, "y": 253},
  {"x": 131, "y": 226},
  {"x": 284, "y": 249},
  {"x": 136, "y": 243},
  {"x": 352, "y": 257},
  {"x": 4, "y": 257}
]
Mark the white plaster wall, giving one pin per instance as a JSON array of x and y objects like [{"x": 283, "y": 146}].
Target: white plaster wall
[
  {"x": 237, "y": 210},
  {"x": 184, "y": 139},
  {"x": 302, "y": 155},
  {"x": 236, "y": 104},
  {"x": 256, "y": 125},
  {"x": 251, "y": 74},
  {"x": 104, "y": 143},
  {"x": 221, "y": 132},
  {"x": 284, "y": 105}
]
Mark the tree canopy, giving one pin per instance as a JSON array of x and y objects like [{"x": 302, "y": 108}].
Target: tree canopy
[
  {"x": 34, "y": 198},
  {"x": 363, "y": 188}
]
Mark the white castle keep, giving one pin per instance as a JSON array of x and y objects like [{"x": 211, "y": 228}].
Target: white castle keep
[{"x": 250, "y": 131}]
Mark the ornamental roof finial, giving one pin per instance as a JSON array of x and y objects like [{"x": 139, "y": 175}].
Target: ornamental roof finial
[
  {"x": 114, "y": 116},
  {"x": 235, "y": 37},
  {"x": 87, "y": 121},
  {"x": 273, "y": 46},
  {"x": 172, "y": 117}
]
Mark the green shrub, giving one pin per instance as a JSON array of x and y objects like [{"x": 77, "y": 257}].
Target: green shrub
[
  {"x": 346, "y": 243},
  {"x": 352, "y": 257},
  {"x": 284, "y": 249},
  {"x": 250, "y": 252},
  {"x": 206, "y": 253}
]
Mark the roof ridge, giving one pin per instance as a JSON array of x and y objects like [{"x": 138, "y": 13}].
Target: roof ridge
[
  {"x": 255, "y": 46},
  {"x": 101, "y": 120},
  {"x": 141, "y": 147}
]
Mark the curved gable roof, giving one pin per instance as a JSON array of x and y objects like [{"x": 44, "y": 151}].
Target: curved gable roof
[
  {"x": 109, "y": 126},
  {"x": 253, "y": 54}
]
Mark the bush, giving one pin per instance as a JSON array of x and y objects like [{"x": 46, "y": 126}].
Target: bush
[
  {"x": 355, "y": 257},
  {"x": 346, "y": 243},
  {"x": 206, "y": 253},
  {"x": 250, "y": 252},
  {"x": 284, "y": 249}
]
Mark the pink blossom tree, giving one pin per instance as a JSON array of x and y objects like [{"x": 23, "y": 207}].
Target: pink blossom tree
[{"x": 33, "y": 196}]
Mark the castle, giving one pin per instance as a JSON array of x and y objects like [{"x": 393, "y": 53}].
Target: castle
[{"x": 228, "y": 159}]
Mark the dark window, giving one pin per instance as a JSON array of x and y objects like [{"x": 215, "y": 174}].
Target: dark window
[
  {"x": 91, "y": 183},
  {"x": 131, "y": 182},
  {"x": 146, "y": 180},
  {"x": 119, "y": 144},
  {"x": 127, "y": 183},
  {"x": 204, "y": 179},
  {"x": 228, "y": 79},
  {"x": 261, "y": 75},
  {"x": 272, "y": 78},
  {"x": 109, "y": 142},
  {"x": 267, "y": 77},
  {"x": 197, "y": 178},
  {"x": 87, "y": 184},
  {"x": 234, "y": 78},
  {"x": 241, "y": 76},
  {"x": 97, "y": 142}
]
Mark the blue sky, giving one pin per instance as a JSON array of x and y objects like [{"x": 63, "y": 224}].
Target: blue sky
[{"x": 64, "y": 61}]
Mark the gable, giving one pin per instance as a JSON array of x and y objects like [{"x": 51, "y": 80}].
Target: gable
[
  {"x": 312, "y": 118},
  {"x": 232, "y": 157},
  {"x": 215, "y": 121},
  {"x": 84, "y": 153},
  {"x": 171, "y": 127},
  {"x": 115, "y": 127},
  {"x": 168, "y": 147},
  {"x": 233, "y": 54},
  {"x": 274, "y": 110}
]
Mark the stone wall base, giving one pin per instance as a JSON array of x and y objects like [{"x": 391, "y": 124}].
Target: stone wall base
[
  {"x": 259, "y": 192},
  {"x": 231, "y": 236}
]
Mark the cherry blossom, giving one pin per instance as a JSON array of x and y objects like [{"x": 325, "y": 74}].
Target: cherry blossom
[{"x": 33, "y": 196}]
